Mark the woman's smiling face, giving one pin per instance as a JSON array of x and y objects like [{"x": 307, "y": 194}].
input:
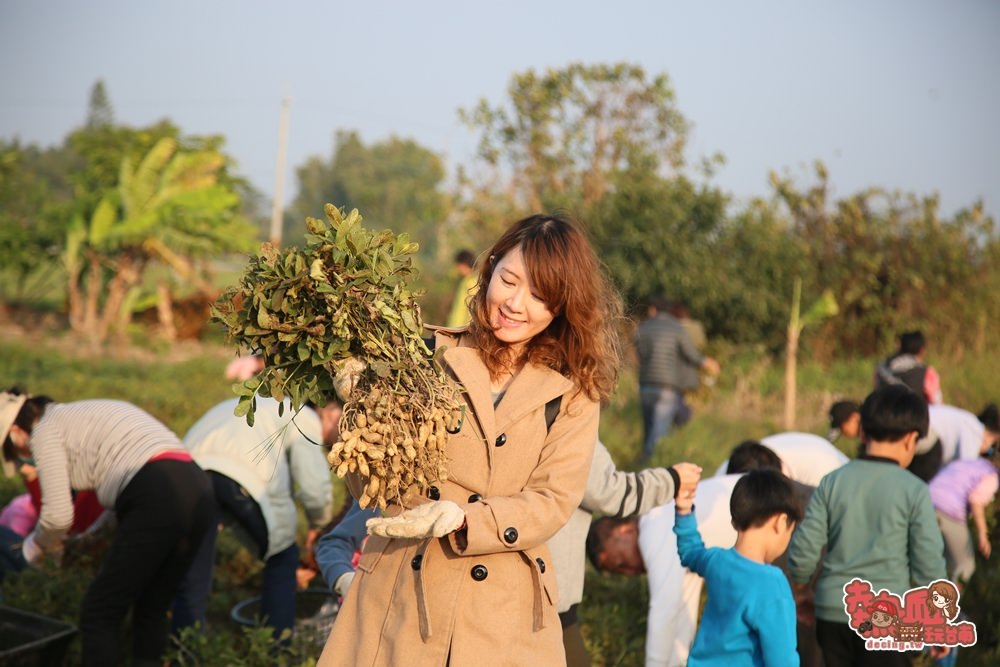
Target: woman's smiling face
[{"x": 516, "y": 314}]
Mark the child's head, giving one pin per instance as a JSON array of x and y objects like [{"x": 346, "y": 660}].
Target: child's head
[
  {"x": 990, "y": 418},
  {"x": 912, "y": 342},
  {"x": 845, "y": 420},
  {"x": 765, "y": 502},
  {"x": 893, "y": 418},
  {"x": 752, "y": 455}
]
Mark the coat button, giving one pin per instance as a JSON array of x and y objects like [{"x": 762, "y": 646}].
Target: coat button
[
  {"x": 475, "y": 498},
  {"x": 541, "y": 565},
  {"x": 479, "y": 572},
  {"x": 510, "y": 535},
  {"x": 415, "y": 563},
  {"x": 434, "y": 493},
  {"x": 501, "y": 440}
]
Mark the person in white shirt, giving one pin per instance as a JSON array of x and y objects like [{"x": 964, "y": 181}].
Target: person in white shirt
[
  {"x": 258, "y": 473},
  {"x": 616, "y": 493},
  {"x": 674, "y": 591},
  {"x": 960, "y": 432},
  {"x": 805, "y": 457},
  {"x": 631, "y": 546}
]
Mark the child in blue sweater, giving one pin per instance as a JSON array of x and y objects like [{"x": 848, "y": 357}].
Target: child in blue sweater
[{"x": 750, "y": 615}]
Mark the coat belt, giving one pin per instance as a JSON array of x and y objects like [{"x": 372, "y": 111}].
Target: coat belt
[{"x": 538, "y": 617}]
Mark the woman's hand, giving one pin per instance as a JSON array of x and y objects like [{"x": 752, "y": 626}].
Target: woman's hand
[{"x": 433, "y": 519}]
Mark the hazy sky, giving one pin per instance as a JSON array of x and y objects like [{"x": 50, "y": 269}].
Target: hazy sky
[{"x": 902, "y": 94}]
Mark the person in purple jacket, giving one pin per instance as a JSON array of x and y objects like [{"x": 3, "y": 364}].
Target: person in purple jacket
[{"x": 963, "y": 487}]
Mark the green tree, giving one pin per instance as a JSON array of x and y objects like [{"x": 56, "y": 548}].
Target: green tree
[
  {"x": 606, "y": 143},
  {"x": 656, "y": 236},
  {"x": 169, "y": 208},
  {"x": 100, "y": 114},
  {"x": 894, "y": 264},
  {"x": 743, "y": 295},
  {"x": 36, "y": 200},
  {"x": 396, "y": 182},
  {"x": 565, "y": 134}
]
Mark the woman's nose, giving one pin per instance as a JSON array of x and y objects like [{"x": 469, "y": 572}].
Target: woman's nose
[{"x": 516, "y": 300}]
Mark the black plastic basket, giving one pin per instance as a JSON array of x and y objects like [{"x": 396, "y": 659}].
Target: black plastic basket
[
  {"x": 315, "y": 611},
  {"x": 30, "y": 640}
]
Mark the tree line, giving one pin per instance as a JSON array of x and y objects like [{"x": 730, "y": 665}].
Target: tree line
[{"x": 117, "y": 219}]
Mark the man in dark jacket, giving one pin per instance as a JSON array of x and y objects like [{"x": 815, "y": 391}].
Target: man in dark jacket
[
  {"x": 907, "y": 367},
  {"x": 663, "y": 347}
]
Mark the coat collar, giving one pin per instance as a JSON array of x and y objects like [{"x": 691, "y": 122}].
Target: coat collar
[{"x": 533, "y": 387}]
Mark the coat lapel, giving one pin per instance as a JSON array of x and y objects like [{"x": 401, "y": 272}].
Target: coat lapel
[
  {"x": 471, "y": 373},
  {"x": 533, "y": 387}
]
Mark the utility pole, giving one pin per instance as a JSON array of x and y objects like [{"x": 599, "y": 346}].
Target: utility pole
[{"x": 279, "y": 173}]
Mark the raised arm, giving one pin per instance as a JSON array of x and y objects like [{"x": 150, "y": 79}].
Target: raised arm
[{"x": 618, "y": 493}]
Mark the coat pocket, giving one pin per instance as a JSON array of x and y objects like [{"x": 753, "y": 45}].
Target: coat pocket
[{"x": 374, "y": 548}]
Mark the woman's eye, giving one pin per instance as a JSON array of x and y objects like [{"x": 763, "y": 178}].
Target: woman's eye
[{"x": 506, "y": 282}]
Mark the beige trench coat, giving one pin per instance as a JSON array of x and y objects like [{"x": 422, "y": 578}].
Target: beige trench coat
[{"x": 423, "y": 602}]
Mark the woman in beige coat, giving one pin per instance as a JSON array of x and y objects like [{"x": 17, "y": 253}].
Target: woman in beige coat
[{"x": 464, "y": 577}]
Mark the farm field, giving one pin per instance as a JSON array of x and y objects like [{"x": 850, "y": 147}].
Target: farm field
[{"x": 179, "y": 383}]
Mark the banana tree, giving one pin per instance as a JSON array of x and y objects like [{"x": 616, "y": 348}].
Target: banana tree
[
  {"x": 168, "y": 209},
  {"x": 824, "y": 307}
]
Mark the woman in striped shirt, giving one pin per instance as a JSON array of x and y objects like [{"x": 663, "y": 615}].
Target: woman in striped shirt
[{"x": 162, "y": 501}]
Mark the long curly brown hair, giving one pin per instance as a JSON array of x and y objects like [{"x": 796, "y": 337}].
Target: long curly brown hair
[{"x": 582, "y": 341}]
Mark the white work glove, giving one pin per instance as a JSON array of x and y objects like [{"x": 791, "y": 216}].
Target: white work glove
[
  {"x": 346, "y": 374},
  {"x": 343, "y": 584},
  {"x": 33, "y": 554},
  {"x": 433, "y": 519}
]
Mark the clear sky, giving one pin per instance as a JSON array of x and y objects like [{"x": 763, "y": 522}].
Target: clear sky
[{"x": 900, "y": 94}]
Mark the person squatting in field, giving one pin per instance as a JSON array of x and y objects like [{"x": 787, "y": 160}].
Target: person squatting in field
[
  {"x": 162, "y": 501},
  {"x": 258, "y": 473}
]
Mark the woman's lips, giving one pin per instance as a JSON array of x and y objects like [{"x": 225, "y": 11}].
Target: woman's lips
[{"x": 507, "y": 321}]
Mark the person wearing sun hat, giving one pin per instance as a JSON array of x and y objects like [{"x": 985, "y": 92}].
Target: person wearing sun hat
[
  {"x": 138, "y": 468},
  {"x": 10, "y": 405},
  {"x": 11, "y": 558}
]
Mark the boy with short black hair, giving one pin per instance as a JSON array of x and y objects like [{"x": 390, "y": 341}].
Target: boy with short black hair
[
  {"x": 876, "y": 521},
  {"x": 752, "y": 455},
  {"x": 750, "y": 614},
  {"x": 845, "y": 420}
]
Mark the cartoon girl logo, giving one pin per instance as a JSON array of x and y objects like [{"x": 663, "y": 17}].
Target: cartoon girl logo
[{"x": 943, "y": 596}]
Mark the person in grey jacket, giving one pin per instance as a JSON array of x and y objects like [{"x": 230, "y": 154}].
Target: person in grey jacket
[
  {"x": 257, "y": 474},
  {"x": 664, "y": 349},
  {"x": 610, "y": 492}
]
